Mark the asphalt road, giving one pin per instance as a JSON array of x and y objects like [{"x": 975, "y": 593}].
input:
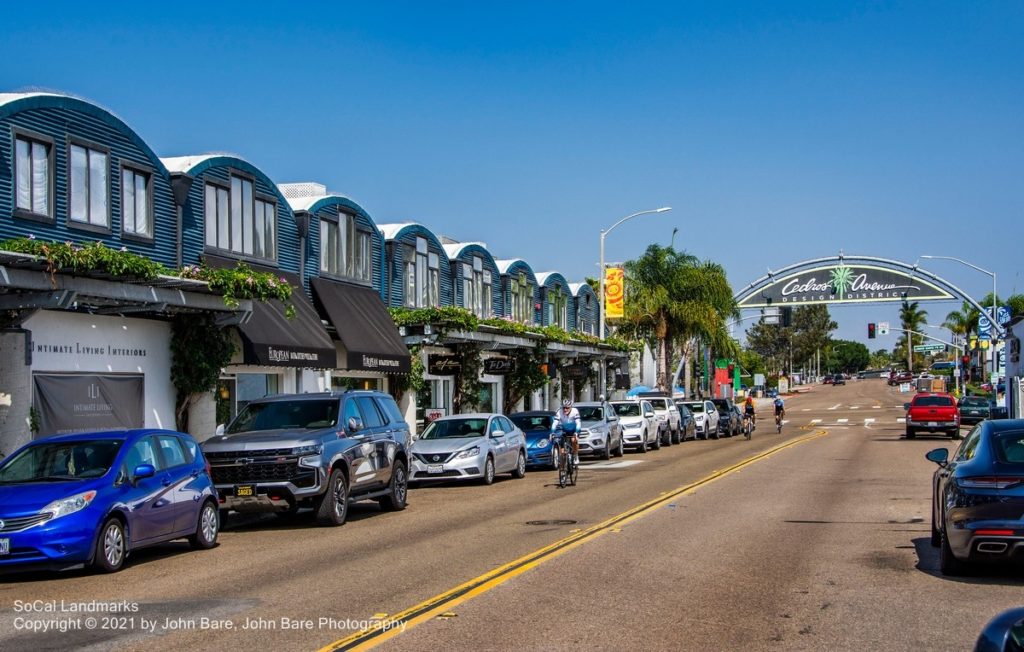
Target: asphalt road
[{"x": 819, "y": 545}]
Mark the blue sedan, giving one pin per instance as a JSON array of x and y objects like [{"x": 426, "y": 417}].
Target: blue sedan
[
  {"x": 541, "y": 437},
  {"x": 90, "y": 499}
]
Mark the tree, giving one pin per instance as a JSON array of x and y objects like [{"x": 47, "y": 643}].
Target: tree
[
  {"x": 911, "y": 319},
  {"x": 849, "y": 356},
  {"x": 812, "y": 330},
  {"x": 673, "y": 297},
  {"x": 880, "y": 359},
  {"x": 964, "y": 321},
  {"x": 1016, "y": 304},
  {"x": 771, "y": 343}
]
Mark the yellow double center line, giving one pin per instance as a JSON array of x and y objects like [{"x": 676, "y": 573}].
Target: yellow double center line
[{"x": 373, "y": 636}]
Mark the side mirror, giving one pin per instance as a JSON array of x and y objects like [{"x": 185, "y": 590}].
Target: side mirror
[
  {"x": 143, "y": 471},
  {"x": 940, "y": 456},
  {"x": 906, "y": 406},
  {"x": 354, "y": 424},
  {"x": 498, "y": 433},
  {"x": 220, "y": 430},
  {"x": 649, "y": 415},
  {"x": 1002, "y": 632}
]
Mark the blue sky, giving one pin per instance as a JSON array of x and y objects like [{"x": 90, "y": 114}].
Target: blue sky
[{"x": 777, "y": 131}]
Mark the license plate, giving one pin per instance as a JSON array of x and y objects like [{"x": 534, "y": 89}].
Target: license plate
[
  {"x": 435, "y": 468},
  {"x": 975, "y": 412},
  {"x": 245, "y": 490},
  {"x": 5, "y": 546},
  {"x": 933, "y": 423}
]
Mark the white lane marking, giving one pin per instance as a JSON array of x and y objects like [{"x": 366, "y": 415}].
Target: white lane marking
[
  {"x": 868, "y": 422},
  {"x": 876, "y": 407},
  {"x": 806, "y": 410},
  {"x": 611, "y": 465},
  {"x": 815, "y": 420},
  {"x": 836, "y": 406},
  {"x": 854, "y": 407},
  {"x": 842, "y": 420},
  {"x": 901, "y": 420}
]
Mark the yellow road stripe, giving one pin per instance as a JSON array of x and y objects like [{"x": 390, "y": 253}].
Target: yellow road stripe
[{"x": 413, "y": 616}]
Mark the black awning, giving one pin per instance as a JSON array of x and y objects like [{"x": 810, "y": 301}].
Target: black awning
[
  {"x": 269, "y": 338},
  {"x": 367, "y": 332}
]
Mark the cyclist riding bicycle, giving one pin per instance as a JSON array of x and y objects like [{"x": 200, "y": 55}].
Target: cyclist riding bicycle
[
  {"x": 569, "y": 414},
  {"x": 748, "y": 408},
  {"x": 780, "y": 409}
]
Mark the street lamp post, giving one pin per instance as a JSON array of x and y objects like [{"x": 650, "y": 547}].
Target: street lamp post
[
  {"x": 992, "y": 321},
  {"x": 605, "y": 232}
]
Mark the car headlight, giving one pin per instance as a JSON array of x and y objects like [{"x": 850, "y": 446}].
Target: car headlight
[
  {"x": 543, "y": 443},
  {"x": 469, "y": 452},
  {"x": 312, "y": 449},
  {"x": 631, "y": 425},
  {"x": 661, "y": 417},
  {"x": 70, "y": 505}
]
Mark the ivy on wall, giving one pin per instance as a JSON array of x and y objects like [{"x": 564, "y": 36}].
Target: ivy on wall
[
  {"x": 526, "y": 375},
  {"x": 400, "y": 384},
  {"x": 467, "y": 380},
  {"x": 199, "y": 350}
]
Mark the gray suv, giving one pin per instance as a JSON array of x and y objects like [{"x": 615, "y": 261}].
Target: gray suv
[{"x": 323, "y": 451}]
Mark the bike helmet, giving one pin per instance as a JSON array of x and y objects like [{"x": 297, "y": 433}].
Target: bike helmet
[{"x": 567, "y": 403}]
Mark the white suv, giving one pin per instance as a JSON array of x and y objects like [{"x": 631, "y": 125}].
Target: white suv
[
  {"x": 667, "y": 415},
  {"x": 705, "y": 415},
  {"x": 639, "y": 425}
]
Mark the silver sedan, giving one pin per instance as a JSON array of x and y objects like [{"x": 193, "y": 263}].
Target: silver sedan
[{"x": 469, "y": 446}]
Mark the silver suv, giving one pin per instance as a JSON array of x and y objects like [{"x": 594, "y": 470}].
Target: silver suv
[
  {"x": 667, "y": 415},
  {"x": 323, "y": 451}
]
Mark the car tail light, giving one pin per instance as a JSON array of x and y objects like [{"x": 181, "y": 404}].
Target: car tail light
[
  {"x": 989, "y": 482},
  {"x": 994, "y": 533}
]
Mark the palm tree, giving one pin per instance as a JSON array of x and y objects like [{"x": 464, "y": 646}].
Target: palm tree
[
  {"x": 672, "y": 298},
  {"x": 962, "y": 322},
  {"x": 911, "y": 318}
]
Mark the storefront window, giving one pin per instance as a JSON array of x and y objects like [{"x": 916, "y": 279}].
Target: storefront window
[
  {"x": 489, "y": 397},
  {"x": 253, "y": 386},
  {"x": 344, "y": 383}
]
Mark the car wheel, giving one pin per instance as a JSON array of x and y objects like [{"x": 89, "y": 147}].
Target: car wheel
[
  {"x": 111, "y": 547},
  {"x": 520, "y": 470},
  {"x": 398, "y": 490},
  {"x": 333, "y": 505},
  {"x": 607, "y": 454},
  {"x": 954, "y": 434},
  {"x": 207, "y": 528},
  {"x": 910, "y": 433},
  {"x": 554, "y": 458},
  {"x": 488, "y": 477},
  {"x": 936, "y": 535},
  {"x": 677, "y": 436},
  {"x": 643, "y": 443},
  {"x": 713, "y": 435},
  {"x": 657, "y": 442},
  {"x": 948, "y": 563},
  {"x": 621, "y": 450}
]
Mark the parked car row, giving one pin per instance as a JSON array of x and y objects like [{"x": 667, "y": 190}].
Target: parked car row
[{"x": 92, "y": 499}]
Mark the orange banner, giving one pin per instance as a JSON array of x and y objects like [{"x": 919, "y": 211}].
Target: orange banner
[{"x": 614, "y": 293}]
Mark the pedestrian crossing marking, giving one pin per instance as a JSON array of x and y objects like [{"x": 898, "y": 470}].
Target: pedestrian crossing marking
[
  {"x": 876, "y": 407},
  {"x": 868, "y": 422},
  {"x": 842, "y": 420},
  {"x": 854, "y": 407},
  {"x": 806, "y": 410},
  {"x": 836, "y": 406},
  {"x": 611, "y": 465},
  {"x": 901, "y": 420},
  {"x": 815, "y": 420}
]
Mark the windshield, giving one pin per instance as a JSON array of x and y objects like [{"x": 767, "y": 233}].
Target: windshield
[
  {"x": 974, "y": 401},
  {"x": 533, "y": 423},
  {"x": 279, "y": 415},
  {"x": 72, "y": 460},
  {"x": 627, "y": 409},
  {"x": 659, "y": 403},
  {"x": 695, "y": 407},
  {"x": 591, "y": 413},
  {"x": 455, "y": 429},
  {"x": 933, "y": 401}
]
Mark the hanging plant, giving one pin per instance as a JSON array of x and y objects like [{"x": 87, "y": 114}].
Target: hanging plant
[
  {"x": 399, "y": 385},
  {"x": 243, "y": 282}
]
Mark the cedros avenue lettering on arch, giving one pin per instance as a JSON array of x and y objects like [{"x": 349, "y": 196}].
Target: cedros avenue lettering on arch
[{"x": 844, "y": 284}]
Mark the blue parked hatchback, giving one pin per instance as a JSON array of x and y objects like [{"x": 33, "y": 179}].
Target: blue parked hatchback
[
  {"x": 542, "y": 433},
  {"x": 92, "y": 498}
]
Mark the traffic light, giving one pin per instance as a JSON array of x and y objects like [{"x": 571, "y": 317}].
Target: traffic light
[
  {"x": 966, "y": 360},
  {"x": 871, "y": 330}
]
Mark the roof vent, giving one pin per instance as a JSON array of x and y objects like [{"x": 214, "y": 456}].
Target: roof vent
[{"x": 302, "y": 190}]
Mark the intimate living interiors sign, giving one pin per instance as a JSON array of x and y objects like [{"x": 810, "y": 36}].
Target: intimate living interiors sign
[{"x": 86, "y": 402}]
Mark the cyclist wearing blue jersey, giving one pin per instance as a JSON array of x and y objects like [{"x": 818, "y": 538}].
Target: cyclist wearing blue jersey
[
  {"x": 780, "y": 409},
  {"x": 568, "y": 414}
]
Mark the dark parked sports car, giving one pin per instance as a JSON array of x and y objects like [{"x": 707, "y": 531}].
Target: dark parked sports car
[{"x": 978, "y": 497}]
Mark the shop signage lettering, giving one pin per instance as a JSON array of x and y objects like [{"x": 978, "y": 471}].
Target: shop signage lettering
[
  {"x": 79, "y": 349},
  {"x": 497, "y": 366},
  {"x": 443, "y": 365},
  {"x": 576, "y": 371},
  {"x": 288, "y": 355},
  {"x": 845, "y": 284}
]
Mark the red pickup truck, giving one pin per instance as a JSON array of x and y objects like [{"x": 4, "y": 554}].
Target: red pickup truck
[{"x": 933, "y": 412}]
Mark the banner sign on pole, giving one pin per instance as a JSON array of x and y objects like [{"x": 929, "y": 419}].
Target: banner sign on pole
[{"x": 614, "y": 293}]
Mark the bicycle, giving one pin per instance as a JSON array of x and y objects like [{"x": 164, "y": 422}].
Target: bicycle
[
  {"x": 778, "y": 421},
  {"x": 748, "y": 425},
  {"x": 567, "y": 467}
]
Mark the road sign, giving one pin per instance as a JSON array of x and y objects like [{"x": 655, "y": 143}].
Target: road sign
[
  {"x": 984, "y": 327},
  {"x": 1003, "y": 315},
  {"x": 883, "y": 328},
  {"x": 925, "y": 348}
]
